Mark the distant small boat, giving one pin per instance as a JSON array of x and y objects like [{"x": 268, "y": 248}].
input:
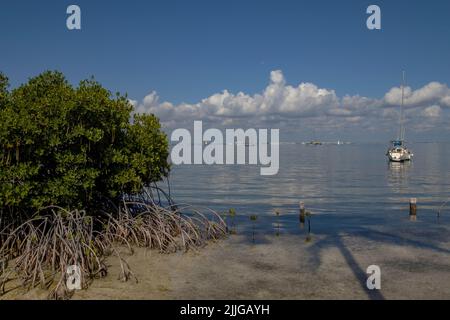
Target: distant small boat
[
  {"x": 398, "y": 152},
  {"x": 315, "y": 143}
]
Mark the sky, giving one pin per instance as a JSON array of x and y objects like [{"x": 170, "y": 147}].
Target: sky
[{"x": 309, "y": 68}]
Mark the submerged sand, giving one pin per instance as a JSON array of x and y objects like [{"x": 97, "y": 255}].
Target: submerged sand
[{"x": 415, "y": 264}]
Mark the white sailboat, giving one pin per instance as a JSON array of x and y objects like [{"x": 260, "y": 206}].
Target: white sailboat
[{"x": 398, "y": 152}]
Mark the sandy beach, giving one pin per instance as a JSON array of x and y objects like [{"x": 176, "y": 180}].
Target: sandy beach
[{"x": 415, "y": 264}]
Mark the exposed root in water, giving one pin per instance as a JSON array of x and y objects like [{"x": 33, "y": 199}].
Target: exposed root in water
[{"x": 41, "y": 250}]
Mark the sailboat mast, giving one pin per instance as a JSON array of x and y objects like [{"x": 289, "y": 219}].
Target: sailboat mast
[{"x": 402, "y": 125}]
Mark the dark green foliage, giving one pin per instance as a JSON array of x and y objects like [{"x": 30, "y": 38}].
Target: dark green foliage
[{"x": 73, "y": 147}]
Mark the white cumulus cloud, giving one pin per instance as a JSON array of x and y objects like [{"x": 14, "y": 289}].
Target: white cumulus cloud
[{"x": 306, "y": 103}]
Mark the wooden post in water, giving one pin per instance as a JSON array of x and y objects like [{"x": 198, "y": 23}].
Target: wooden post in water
[
  {"x": 302, "y": 213},
  {"x": 413, "y": 209}
]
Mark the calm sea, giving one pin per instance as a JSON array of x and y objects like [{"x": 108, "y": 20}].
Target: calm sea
[{"x": 344, "y": 186}]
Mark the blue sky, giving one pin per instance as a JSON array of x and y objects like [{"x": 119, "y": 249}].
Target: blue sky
[{"x": 189, "y": 50}]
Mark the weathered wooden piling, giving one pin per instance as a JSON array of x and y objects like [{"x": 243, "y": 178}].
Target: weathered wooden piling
[
  {"x": 302, "y": 213},
  {"x": 413, "y": 209},
  {"x": 278, "y": 223},
  {"x": 253, "y": 218}
]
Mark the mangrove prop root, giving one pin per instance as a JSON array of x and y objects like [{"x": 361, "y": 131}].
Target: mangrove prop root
[{"x": 40, "y": 250}]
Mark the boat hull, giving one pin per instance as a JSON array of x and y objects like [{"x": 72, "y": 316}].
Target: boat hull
[
  {"x": 399, "y": 160},
  {"x": 399, "y": 155}
]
